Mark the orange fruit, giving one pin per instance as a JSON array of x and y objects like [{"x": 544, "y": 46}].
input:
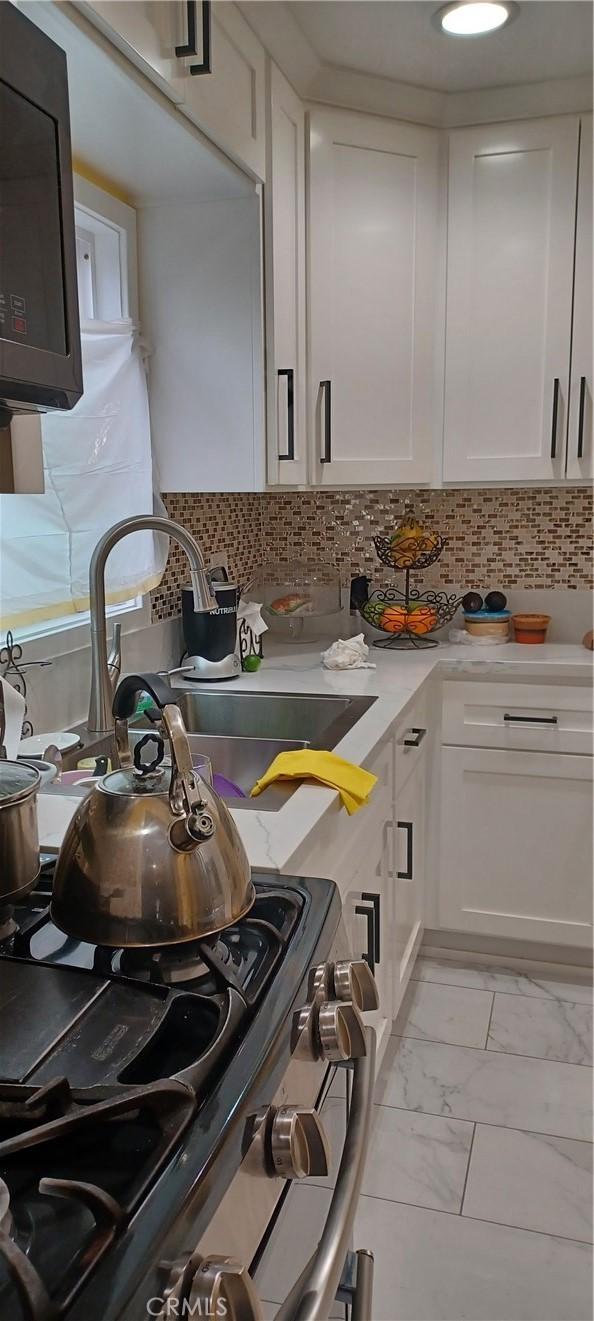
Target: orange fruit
[
  {"x": 393, "y": 619},
  {"x": 421, "y": 619}
]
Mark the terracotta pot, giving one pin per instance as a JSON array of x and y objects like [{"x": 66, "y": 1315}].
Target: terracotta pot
[{"x": 531, "y": 628}]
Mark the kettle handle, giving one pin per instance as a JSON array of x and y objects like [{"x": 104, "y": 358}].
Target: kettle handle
[{"x": 126, "y": 694}]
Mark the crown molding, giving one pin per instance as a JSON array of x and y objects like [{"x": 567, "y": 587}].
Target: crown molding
[{"x": 328, "y": 84}]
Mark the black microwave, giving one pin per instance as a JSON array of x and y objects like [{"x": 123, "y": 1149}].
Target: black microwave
[{"x": 40, "y": 359}]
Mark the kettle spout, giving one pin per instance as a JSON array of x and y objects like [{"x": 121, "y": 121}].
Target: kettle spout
[{"x": 186, "y": 833}]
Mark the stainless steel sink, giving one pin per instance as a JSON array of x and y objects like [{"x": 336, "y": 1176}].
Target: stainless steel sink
[
  {"x": 318, "y": 721},
  {"x": 242, "y": 733}
]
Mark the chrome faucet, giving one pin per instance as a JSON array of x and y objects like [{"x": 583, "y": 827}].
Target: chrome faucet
[{"x": 104, "y": 670}]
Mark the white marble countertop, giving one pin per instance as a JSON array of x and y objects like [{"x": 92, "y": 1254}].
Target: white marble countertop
[{"x": 272, "y": 839}]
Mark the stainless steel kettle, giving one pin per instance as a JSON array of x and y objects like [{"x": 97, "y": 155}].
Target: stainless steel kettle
[{"x": 152, "y": 856}]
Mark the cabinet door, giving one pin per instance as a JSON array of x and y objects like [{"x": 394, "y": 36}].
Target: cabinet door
[
  {"x": 516, "y": 844},
  {"x": 229, "y": 103},
  {"x": 408, "y": 877},
  {"x": 148, "y": 34},
  {"x": 372, "y": 289},
  {"x": 580, "y": 461},
  {"x": 285, "y": 284},
  {"x": 166, "y": 40},
  {"x": 510, "y": 273}
]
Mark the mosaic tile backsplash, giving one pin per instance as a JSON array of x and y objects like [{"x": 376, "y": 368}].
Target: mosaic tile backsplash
[{"x": 532, "y": 539}]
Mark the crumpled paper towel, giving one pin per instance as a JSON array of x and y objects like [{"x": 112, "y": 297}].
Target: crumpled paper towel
[
  {"x": 250, "y": 611},
  {"x": 457, "y": 635},
  {"x": 347, "y": 654}
]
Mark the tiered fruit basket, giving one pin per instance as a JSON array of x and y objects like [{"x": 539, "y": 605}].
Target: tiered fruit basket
[{"x": 409, "y": 616}]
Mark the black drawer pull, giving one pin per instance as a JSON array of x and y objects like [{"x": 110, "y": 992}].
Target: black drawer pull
[
  {"x": 375, "y": 900},
  {"x": 372, "y": 915},
  {"x": 581, "y": 417},
  {"x": 205, "y": 65},
  {"x": 416, "y": 738},
  {"x": 407, "y": 874},
  {"x": 531, "y": 720},
  {"x": 190, "y": 46},
  {"x": 326, "y": 386},
  {"x": 555, "y": 416},
  {"x": 290, "y": 375}
]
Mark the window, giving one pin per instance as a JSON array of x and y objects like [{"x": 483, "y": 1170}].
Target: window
[{"x": 97, "y": 458}]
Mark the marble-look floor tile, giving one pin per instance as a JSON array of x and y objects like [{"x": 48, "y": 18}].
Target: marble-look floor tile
[
  {"x": 412, "y": 1157},
  {"x": 430, "y": 1266},
  {"x": 418, "y": 1158},
  {"x": 498, "y": 977},
  {"x": 538, "y": 1095},
  {"x": 444, "y": 1013},
  {"x": 531, "y": 1181},
  {"x": 548, "y": 1029}
]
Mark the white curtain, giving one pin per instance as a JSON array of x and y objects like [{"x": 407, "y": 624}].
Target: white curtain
[{"x": 98, "y": 469}]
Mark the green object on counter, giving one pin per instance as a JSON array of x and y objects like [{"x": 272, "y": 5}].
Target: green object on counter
[
  {"x": 251, "y": 664},
  {"x": 144, "y": 704}
]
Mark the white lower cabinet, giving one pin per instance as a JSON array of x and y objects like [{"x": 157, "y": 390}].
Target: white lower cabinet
[
  {"x": 516, "y": 845},
  {"x": 408, "y": 878}
]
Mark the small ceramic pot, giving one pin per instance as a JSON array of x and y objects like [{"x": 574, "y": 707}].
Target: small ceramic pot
[{"x": 531, "y": 628}]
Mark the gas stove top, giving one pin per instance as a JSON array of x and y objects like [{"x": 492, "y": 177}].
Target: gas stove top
[{"x": 121, "y": 1075}]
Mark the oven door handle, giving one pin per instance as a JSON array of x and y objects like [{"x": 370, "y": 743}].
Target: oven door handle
[{"x": 313, "y": 1294}]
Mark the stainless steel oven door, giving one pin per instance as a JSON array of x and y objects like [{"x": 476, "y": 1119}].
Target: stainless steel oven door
[{"x": 308, "y": 1253}]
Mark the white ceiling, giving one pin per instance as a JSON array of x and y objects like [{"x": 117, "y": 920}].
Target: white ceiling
[{"x": 395, "y": 39}]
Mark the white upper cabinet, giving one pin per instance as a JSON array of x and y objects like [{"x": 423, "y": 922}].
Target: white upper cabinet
[
  {"x": 285, "y": 284},
  {"x": 207, "y": 60},
  {"x": 229, "y": 103},
  {"x": 511, "y": 226},
  {"x": 373, "y": 279},
  {"x": 580, "y": 446},
  {"x": 149, "y": 34}
]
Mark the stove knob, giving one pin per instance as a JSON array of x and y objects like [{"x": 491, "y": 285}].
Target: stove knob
[
  {"x": 354, "y": 980},
  {"x": 223, "y": 1287},
  {"x": 340, "y": 1032},
  {"x": 298, "y": 1144}
]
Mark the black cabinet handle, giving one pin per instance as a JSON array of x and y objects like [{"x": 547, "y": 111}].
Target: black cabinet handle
[
  {"x": 205, "y": 65},
  {"x": 290, "y": 375},
  {"x": 531, "y": 720},
  {"x": 369, "y": 913},
  {"x": 555, "y": 417},
  {"x": 414, "y": 738},
  {"x": 581, "y": 417},
  {"x": 326, "y": 386},
  {"x": 407, "y": 874},
  {"x": 375, "y": 900},
  {"x": 370, "y": 910},
  {"x": 190, "y": 46}
]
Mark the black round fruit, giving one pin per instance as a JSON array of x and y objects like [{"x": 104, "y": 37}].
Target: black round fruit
[
  {"x": 472, "y": 602},
  {"x": 495, "y": 601}
]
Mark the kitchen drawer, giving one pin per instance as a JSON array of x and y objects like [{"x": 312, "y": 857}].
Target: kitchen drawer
[
  {"x": 531, "y": 718},
  {"x": 411, "y": 740}
]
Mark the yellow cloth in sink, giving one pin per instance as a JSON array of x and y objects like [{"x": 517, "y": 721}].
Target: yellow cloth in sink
[{"x": 352, "y": 782}]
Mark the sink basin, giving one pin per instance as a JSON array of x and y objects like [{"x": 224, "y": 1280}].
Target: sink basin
[
  {"x": 242, "y": 733},
  {"x": 317, "y": 721}
]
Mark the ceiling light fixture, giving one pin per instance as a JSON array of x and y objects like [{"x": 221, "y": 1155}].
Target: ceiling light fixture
[{"x": 466, "y": 18}]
